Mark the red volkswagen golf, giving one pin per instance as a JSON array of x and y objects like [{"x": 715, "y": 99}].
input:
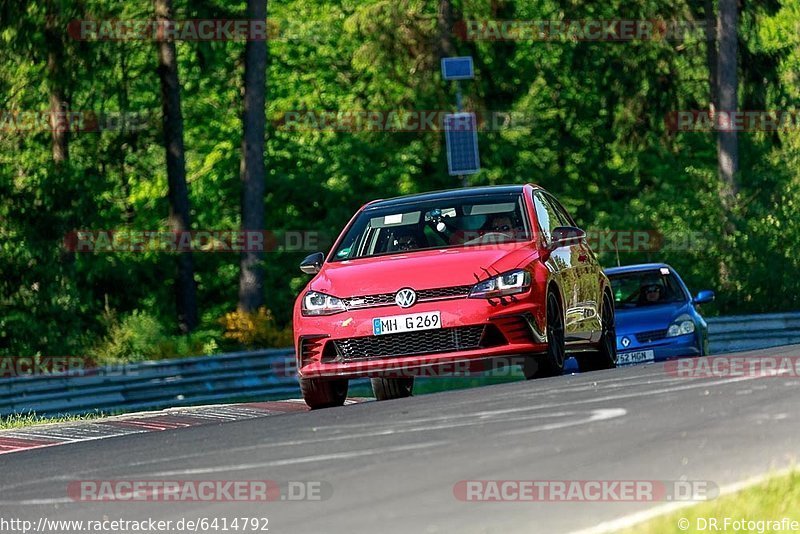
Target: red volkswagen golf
[{"x": 429, "y": 281}]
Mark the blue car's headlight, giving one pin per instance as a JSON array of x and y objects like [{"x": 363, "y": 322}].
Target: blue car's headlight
[{"x": 681, "y": 326}]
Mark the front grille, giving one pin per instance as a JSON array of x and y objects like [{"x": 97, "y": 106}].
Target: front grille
[
  {"x": 410, "y": 343},
  {"x": 515, "y": 328},
  {"x": 310, "y": 348},
  {"x": 651, "y": 335},
  {"x": 443, "y": 292},
  {"x": 368, "y": 301},
  {"x": 387, "y": 299}
]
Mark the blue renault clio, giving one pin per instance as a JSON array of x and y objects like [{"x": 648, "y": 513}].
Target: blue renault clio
[{"x": 656, "y": 316}]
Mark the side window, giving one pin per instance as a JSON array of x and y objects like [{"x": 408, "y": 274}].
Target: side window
[
  {"x": 434, "y": 239},
  {"x": 545, "y": 215},
  {"x": 563, "y": 217}
]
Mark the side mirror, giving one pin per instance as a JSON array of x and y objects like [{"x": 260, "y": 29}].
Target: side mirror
[
  {"x": 704, "y": 297},
  {"x": 564, "y": 236},
  {"x": 313, "y": 263}
]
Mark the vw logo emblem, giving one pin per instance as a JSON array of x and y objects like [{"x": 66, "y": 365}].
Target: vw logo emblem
[
  {"x": 405, "y": 298},
  {"x": 625, "y": 341}
]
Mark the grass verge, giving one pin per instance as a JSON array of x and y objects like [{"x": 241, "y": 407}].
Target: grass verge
[
  {"x": 31, "y": 419},
  {"x": 767, "y": 507}
]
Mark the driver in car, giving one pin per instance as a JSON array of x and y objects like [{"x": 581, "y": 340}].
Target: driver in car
[
  {"x": 496, "y": 223},
  {"x": 651, "y": 293},
  {"x": 500, "y": 223},
  {"x": 404, "y": 240}
]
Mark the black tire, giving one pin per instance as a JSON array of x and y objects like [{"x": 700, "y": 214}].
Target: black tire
[
  {"x": 606, "y": 355},
  {"x": 323, "y": 393},
  {"x": 392, "y": 388},
  {"x": 552, "y": 362}
]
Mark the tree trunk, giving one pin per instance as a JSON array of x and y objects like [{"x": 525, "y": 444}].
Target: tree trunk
[
  {"x": 445, "y": 29},
  {"x": 711, "y": 56},
  {"x": 727, "y": 138},
  {"x": 56, "y": 81},
  {"x": 128, "y": 140},
  {"x": 179, "y": 219},
  {"x": 251, "y": 275},
  {"x": 727, "y": 141}
]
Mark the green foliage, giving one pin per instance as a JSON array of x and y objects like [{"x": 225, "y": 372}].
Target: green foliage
[
  {"x": 141, "y": 336},
  {"x": 256, "y": 329},
  {"x": 594, "y": 134}
]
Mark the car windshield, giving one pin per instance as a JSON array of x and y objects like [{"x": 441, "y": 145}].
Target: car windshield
[
  {"x": 646, "y": 288},
  {"x": 435, "y": 224}
]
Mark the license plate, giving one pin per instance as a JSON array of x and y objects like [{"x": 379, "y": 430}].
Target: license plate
[
  {"x": 639, "y": 356},
  {"x": 406, "y": 323}
]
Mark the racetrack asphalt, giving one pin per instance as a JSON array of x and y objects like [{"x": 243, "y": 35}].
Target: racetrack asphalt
[{"x": 392, "y": 466}]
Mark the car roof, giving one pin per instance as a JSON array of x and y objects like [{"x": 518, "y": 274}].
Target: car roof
[
  {"x": 447, "y": 195},
  {"x": 637, "y": 268}
]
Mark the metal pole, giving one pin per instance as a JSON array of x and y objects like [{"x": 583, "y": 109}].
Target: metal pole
[{"x": 460, "y": 108}]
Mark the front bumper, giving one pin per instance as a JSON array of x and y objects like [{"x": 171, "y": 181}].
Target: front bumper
[
  {"x": 510, "y": 329},
  {"x": 686, "y": 346}
]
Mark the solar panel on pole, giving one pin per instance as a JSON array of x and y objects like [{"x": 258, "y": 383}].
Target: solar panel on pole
[
  {"x": 461, "y": 140},
  {"x": 457, "y": 68}
]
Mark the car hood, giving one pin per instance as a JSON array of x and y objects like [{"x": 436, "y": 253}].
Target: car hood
[
  {"x": 658, "y": 317},
  {"x": 419, "y": 270}
]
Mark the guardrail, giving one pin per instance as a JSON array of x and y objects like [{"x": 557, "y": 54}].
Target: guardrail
[
  {"x": 268, "y": 375},
  {"x": 264, "y": 374},
  {"x": 748, "y": 332}
]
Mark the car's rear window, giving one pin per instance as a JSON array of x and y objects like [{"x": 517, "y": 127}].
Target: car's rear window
[{"x": 435, "y": 224}]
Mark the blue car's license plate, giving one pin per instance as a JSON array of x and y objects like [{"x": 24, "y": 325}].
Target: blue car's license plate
[{"x": 639, "y": 356}]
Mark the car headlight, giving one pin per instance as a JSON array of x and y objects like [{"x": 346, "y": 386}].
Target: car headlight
[
  {"x": 316, "y": 303},
  {"x": 681, "y": 326},
  {"x": 501, "y": 285}
]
